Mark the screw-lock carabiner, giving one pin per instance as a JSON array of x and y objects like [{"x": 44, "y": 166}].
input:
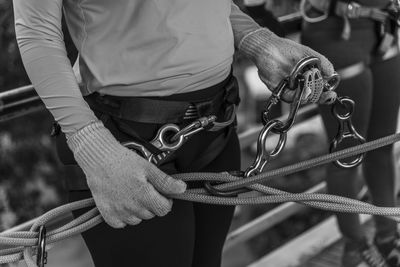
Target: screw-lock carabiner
[{"x": 305, "y": 74}]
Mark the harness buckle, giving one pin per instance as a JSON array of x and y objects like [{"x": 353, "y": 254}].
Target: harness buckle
[{"x": 41, "y": 254}]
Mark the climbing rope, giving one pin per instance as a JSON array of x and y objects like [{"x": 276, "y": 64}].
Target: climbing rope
[
  {"x": 22, "y": 244},
  {"x": 222, "y": 187}
]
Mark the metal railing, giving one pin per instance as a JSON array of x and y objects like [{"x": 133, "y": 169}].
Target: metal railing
[{"x": 19, "y": 102}]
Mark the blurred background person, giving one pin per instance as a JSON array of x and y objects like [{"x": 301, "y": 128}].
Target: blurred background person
[{"x": 360, "y": 38}]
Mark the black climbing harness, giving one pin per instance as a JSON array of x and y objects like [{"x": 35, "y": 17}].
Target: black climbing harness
[{"x": 305, "y": 75}]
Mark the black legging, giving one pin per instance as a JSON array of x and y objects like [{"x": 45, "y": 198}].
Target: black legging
[
  {"x": 376, "y": 92},
  {"x": 192, "y": 234}
]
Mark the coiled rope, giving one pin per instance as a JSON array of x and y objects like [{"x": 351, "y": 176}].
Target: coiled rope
[{"x": 22, "y": 245}]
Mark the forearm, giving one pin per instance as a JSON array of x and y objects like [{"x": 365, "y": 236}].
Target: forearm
[
  {"x": 242, "y": 24},
  {"x": 39, "y": 36}
]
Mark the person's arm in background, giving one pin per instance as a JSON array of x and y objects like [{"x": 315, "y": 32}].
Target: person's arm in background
[
  {"x": 274, "y": 56},
  {"x": 123, "y": 184}
]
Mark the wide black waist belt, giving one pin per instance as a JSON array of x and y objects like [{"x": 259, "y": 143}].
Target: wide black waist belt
[{"x": 167, "y": 109}]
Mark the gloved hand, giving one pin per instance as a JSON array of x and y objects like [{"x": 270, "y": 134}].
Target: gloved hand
[
  {"x": 126, "y": 188},
  {"x": 275, "y": 57}
]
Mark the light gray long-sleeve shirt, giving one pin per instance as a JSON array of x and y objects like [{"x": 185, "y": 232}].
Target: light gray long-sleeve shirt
[{"x": 126, "y": 48}]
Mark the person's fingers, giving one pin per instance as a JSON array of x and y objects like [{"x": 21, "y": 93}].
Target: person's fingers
[
  {"x": 137, "y": 211},
  {"x": 327, "y": 68},
  {"x": 167, "y": 185},
  {"x": 113, "y": 221},
  {"x": 272, "y": 76},
  {"x": 327, "y": 98},
  {"x": 132, "y": 220},
  {"x": 154, "y": 201},
  {"x": 108, "y": 213}
]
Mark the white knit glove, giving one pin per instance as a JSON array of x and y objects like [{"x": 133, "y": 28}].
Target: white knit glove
[
  {"x": 126, "y": 188},
  {"x": 275, "y": 57}
]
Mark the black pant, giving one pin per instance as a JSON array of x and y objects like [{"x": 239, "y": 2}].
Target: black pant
[
  {"x": 376, "y": 92},
  {"x": 192, "y": 234}
]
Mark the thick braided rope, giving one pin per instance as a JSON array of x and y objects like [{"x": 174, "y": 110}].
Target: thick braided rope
[
  {"x": 21, "y": 245},
  {"x": 300, "y": 166}
]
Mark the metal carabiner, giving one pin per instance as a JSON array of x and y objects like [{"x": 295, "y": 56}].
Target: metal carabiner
[
  {"x": 195, "y": 127},
  {"x": 41, "y": 254},
  {"x": 274, "y": 99},
  {"x": 263, "y": 156},
  {"x": 295, "y": 81},
  {"x": 346, "y": 131}
]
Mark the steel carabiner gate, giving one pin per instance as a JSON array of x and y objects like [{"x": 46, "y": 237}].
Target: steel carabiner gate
[{"x": 305, "y": 75}]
